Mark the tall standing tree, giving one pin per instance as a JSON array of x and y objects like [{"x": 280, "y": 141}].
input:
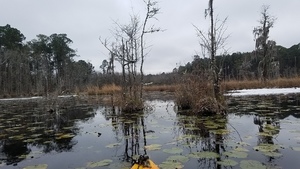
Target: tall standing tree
[
  {"x": 62, "y": 56},
  {"x": 12, "y": 54},
  {"x": 265, "y": 48},
  {"x": 211, "y": 42},
  {"x": 152, "y": 11}
]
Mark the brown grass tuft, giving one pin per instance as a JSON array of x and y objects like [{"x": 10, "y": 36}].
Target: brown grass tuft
[
  {"x": 196, "y": 95},
  {"x": 106, "y": 89}
]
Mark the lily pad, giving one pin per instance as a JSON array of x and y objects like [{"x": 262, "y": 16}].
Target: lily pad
[
  {"x": 178, "y": 158},
  {"x": 152, "y": 147},
  {"x": 221, "y": 131},
  {"x": 272, "y": 154},
  {"x": 65, "y": 136},
  {"x": 170, "y": 165},
  {"x": 173, "y": 150},
  {"x": 266, "y": 147},
  {"x": 40, "y": 166},
  {"x": 296, "y": 148},
  {"x": 241, "y": 149},
  {"x": 113, "y": 145},
  {"x": 266, "y": 134},
  {"x": 252, "y": 164},
  {"x": 102, "y": 163},
  {"x": 150, "y": 137},
  {"x": 236, "y": 154},
  {"x": 227, "y": 162},
  {"x": 204, "y": 154}
]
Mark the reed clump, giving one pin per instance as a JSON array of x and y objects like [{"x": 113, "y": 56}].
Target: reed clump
[{"x": 196, "y": 95}]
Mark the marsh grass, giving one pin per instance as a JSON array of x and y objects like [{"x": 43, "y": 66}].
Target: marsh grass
[
  {"x": 104, "y": 90},
  {"x": 161, "y": 88},
  {"x": 255, "y": 84}
]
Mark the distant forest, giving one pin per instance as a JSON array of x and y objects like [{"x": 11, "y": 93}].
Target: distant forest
[
  {"x": 46, "y": 64},
  {"x": 244, "y": 66}
]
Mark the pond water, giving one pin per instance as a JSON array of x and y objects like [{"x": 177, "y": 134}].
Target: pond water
[{"x": 258, "y": 132}]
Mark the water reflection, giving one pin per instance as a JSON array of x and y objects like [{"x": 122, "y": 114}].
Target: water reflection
[
  {"x": 133, "y": 131},
  {"x": 269, "y": 113},
  {"x": 203, "y": 134},
  {"x": 28, "y": 124},
  {"x": 261, "y": 129}
]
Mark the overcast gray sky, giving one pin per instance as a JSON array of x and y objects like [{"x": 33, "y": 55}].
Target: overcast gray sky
[{"x": 84, "y": 21}]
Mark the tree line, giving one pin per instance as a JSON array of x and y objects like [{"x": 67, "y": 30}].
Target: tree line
[
  {"x": 40, "y": 66},
  {"x": 245, "y": 66}
]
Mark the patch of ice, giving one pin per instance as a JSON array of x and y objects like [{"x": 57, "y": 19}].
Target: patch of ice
[
  {"x": 21, "y": 98},
  {"x": 264, "y": 91}
]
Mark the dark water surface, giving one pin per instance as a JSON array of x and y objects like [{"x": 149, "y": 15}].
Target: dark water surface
[{"x": 258, "y": 132}]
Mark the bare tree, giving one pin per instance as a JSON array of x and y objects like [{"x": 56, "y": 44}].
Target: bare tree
[
  {"x": 128, "y": 49},
  {"x": 265, "y": 48},
  {"x": 211, "y": 42},
  {"x": 152, "y": 11}
]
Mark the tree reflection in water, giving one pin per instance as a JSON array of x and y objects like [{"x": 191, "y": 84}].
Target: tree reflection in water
[
  {"x": 27, "y": 125},
  {"x": 133, "y": 130},
  {"x": 202, "y": 134}
]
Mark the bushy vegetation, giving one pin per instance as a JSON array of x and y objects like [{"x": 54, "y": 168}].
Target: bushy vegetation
[{"x": 196, "y": 95}]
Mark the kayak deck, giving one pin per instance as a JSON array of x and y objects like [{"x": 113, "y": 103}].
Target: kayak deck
[
  {"x": 151, "y": 165},
  {"x": 144, "y": 162}
]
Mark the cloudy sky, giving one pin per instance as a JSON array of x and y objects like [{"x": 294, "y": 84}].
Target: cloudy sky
[{"x": 84, "y": 21}]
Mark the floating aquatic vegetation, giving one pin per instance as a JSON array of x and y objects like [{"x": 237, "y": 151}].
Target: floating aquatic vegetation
[
  {"x": 236, "y": 154},
  {"x": 296, "y": 148},
  {"x": 204, "y": 154},
  {"x": 220, "y": 131},
  {"x": 272, "y": 154},
  {"x": 243, "y": 143},
  {"x": 164, "y": 132},
  {"x": 102, "y": 163},
  {"x": 65, "y": 136},
  {"x": 171, "y": 165},
  {"x": 267, "y": 147},
  {"x": 252, "y": 164},
  {"x": 153, "y": 147},
  {"x": 266, "y": 134},
  {"x": 40, "y": 166},
  {"x": 173, "y": 150},
  {"x": 178, "y": 158},
  {"x": 227, "y": 163},
  {"x": 172, "y": 143},
  {"x": 113, "y": 145},
  {"x": 18, "y": 137},
  {"x": 242, "y": 149},
  {"x": 151, "y": 137},
  {"x": 31, "y": 140}
]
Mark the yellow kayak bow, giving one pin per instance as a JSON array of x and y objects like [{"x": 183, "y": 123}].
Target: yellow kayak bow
[{"x": 144, "y": 163}]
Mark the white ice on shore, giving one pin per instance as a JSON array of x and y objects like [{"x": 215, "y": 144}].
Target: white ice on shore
[
  {"x": 264, "y": 91},
  {"x": 37, "y": 97}
]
